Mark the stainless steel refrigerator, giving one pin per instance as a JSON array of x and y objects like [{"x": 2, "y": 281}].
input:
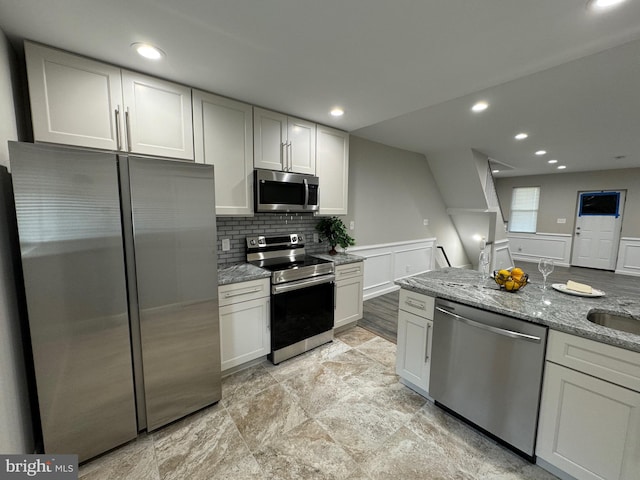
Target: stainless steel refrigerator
[{"x": 120, "y": 272}]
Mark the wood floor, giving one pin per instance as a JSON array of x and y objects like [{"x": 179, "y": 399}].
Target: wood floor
[
  {"x": 381, "y": 313},
  {"x": 381, "y": 316}
]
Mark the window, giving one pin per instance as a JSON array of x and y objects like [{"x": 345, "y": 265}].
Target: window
[{"x": 524, "y": 209}]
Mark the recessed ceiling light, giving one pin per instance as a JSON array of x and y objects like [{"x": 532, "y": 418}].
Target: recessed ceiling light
[
  {"x": 541, "y": 152},
  {"x": 480, "y": 107},
  {"x": 552, "y": 161},
  {"x": 521, "y": 136},
  {"x": 495, "y": 171},
  {"x": 561, "y": 167},
  {"x": 603, "y": 4},
  {"x": 148, "y": 51},
  {"x": 336, "y": 112}
]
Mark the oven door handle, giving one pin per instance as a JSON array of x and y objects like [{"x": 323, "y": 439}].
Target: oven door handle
[
  {"x": 297, "y": 285},
  {"x": 490, "y": 328}
]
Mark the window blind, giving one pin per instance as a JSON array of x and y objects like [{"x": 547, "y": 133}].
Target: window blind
[{"x": 524, "y": 209}]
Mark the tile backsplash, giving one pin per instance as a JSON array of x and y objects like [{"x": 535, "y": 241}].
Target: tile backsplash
[{"x": 237, "y": 229}]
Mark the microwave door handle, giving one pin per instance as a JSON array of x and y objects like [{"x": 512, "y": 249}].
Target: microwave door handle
[{"x": 306, "y": 193}]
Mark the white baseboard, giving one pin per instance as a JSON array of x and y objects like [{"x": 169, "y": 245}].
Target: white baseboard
[
  {"x": 629, "y": 257},
  {"x": 389, "y": 262}
]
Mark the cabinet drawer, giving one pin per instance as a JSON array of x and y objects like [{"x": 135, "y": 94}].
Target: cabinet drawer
[
  {"x": 243, "y": 291},
  {"x": 349, "y": 271},
  {"x": 417, "y": 303},
  {"x": 610, "y": 363}
]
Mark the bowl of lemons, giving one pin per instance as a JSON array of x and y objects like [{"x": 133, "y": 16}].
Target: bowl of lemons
[{"x": 511, "y": 280}]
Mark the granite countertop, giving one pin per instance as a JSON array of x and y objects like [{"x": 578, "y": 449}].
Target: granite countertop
[
  {"x": 244, "y": 272},
  {"x": 241, "y": 272},
  {"x": 559, "y": 311},
  {"x": 339, "y": 258}
]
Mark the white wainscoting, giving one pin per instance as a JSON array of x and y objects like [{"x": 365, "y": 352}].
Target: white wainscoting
[
  {"x": 392, "y": 261},
  {"x": 530, "y": 247},
  {"x": 629, "y": 256}
]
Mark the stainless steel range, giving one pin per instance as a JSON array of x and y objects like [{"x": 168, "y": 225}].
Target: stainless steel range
[{"x": 302, "y": 294}]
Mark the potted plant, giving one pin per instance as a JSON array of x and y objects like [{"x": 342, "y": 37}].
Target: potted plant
[{"x": 334, "y": 231}]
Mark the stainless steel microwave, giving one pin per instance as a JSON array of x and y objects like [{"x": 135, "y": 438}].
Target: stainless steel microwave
[{"x": 285, "y": 192}]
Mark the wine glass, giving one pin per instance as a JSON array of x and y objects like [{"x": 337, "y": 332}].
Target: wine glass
[
  {"x": 483, "y": 263},
  {"x": 545, "y": 265}
]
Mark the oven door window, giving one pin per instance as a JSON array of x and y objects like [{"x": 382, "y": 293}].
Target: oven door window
[{"x": 301, "y": 314}]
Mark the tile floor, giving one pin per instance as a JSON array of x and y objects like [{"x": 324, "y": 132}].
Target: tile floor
[{"x": 337, "y": 412}]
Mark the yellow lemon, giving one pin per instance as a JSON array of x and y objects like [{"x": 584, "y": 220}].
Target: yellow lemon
[
  {"x": 517, "y": 273},
  {"x": 511, "y": 285}
]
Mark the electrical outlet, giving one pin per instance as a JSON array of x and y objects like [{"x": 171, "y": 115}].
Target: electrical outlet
[
  {"x": 352, "y": 225},
  {"x": 316, "y": 238},
  {"x": 425, "y": 222},
  {"x": 226, "y": 245},
  {"x": 408, "y": 268}
]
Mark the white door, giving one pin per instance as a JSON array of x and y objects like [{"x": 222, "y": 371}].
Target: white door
[
  {"x": 269, "y": 139},
  {"x": 223, "y": 134},
  {"x": 158, "y": 116},
  {"x": 597, "y": 232},
  {"x": 301, "y": 154},
  {"x": 74, "y": 100}
]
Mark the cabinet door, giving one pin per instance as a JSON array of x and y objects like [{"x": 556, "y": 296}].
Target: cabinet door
[
  {"x": 332, "y": 166},
  {"x": 301, "y": 148},
  {"x": 269, "y": 139},
  {"x": 74, "y": 100},
  {"x": 223, "y": 134},
  {"x": 348, "y": 301},
  {"x": 157, "y": 116},
  {"x": 588, "y": 428},
  {"x": 413, "y": 362},
  {"x": 244, "y": 332}
]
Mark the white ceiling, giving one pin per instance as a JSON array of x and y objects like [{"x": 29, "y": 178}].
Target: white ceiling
[{"x": 405, "y": 71}]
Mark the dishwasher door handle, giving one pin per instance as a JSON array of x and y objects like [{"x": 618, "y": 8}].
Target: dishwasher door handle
[{"x": 492, "y": 329}]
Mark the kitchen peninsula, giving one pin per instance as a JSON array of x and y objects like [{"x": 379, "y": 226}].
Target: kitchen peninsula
[
  {"x": 554, "y": 309},
  {"x": 589, "y": 410}
]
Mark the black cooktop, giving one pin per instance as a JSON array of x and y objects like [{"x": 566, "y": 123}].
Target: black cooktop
[{"x": 279, "y": 264}]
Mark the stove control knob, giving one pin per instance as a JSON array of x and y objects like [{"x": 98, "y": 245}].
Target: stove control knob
[
  {"x": 300, "y": 239},
  {"x": 294, "y": 239},
  {"x": 261, "y": 241},
  {"x": 252, "y": 242}
]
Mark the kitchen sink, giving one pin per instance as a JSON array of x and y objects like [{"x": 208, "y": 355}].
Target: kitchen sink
[{"x": 616, "y": 321}]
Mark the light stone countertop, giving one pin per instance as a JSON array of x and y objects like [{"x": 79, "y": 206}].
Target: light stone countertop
[
  {"x": 339, "y": 258},
  {"x": 244, "y": 272},
  {"x": 241, "y": 272},
  {"x": 559, "y": 311}
]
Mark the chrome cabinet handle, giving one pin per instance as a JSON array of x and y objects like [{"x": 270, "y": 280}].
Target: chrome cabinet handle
[
  {"x": 416, "y": 304},
  {"x": 484, "y": 326},
  {"x": 290, "y": 156},
  {"x": 118, "y": 142},
  {"x": 283, "y": 153},
  {"x": 128, "y": 125},
  {"x": 426, "y": 347},
  {"x": 268, "y": 314},
  {"x": 237, "y": 293}
]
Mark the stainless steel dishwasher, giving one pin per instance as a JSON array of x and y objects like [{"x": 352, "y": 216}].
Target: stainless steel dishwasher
[{"x": 487, "y": 368}]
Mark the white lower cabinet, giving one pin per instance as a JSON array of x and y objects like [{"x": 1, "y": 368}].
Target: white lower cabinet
[
  {"x": 349, "y": 290},
  {"x": 415, "y": 328},
  {"x": 244, "y": 322},
  {"x": 589, "y": 427}
]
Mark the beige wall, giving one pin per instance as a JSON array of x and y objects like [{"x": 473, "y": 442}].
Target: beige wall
[
  {"x": 391, "y": 192},
  {"x": 559, "y": 196},
  {"x": 15, "y": 431}
]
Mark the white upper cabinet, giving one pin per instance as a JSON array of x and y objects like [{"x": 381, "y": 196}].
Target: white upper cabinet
[
  {"x": 78, "y": 101},
  {"x": 157, "y": 116},
  {"x": 74, "y": 100},
  {"x": 283, "y": 143},
  {"x": 223, "y": 134},
  {"x": 332, "y": 156}
]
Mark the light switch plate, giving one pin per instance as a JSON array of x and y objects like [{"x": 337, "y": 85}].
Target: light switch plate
[{"x": 562, "y": 220}]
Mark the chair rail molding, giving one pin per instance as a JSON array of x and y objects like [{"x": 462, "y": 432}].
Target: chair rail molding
[
  {"x": 629, "y": 256},
  {"x": 386, "y": 263}
]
